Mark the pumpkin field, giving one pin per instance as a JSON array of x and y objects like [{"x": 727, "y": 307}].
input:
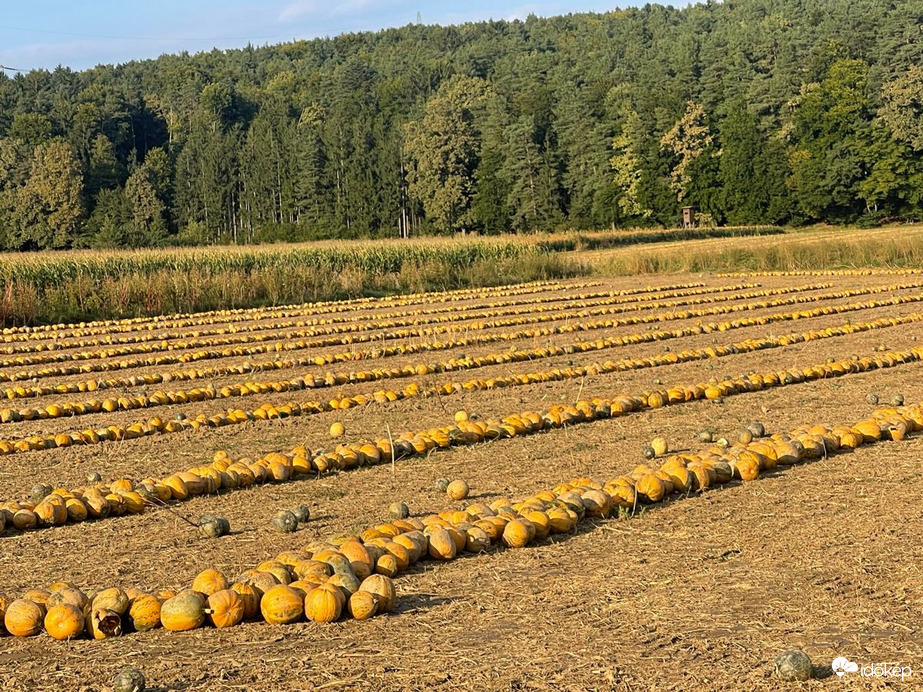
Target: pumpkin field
[{"x": 591, "y": 483}]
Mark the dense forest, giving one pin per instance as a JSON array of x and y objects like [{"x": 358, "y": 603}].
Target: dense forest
[{"x": 753, "y": 111}]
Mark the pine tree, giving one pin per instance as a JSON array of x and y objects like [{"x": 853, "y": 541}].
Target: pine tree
[
  {"x": 529, "y": 172},
  {"x": 489, "y": 205}
]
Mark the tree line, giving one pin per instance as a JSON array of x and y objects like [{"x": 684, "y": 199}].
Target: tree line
[{"x": 753, "y": 111}]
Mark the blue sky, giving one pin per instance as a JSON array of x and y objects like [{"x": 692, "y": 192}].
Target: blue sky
[{"x": 48, "y": 33}]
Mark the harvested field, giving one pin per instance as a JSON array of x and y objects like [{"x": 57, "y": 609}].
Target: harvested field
[{"x": 699, "y": 591}]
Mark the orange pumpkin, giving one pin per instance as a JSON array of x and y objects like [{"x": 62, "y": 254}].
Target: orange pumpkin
[
  {"x": 292, "y": 558},
  {"x": 339, "y": 562},
  {"x": 869, "y": 429},
  {"x": 746, "y": 467},
  {"x": 177, "y": 486},
  {"x": 51, "y": 511},
  {"x": 516, "y": 534},
  {"x": 312, "y": 581},
  {"x": 415, "y": 546},
  {"x": 441, "y": 544},
  {"x": 209, "y": 581},
  {"x": 250, "y": 597},
  {"x": 340, "y": 539},
  {"x": 542, "y": 522},
  {"x": 559, "y": 520},
  {"x": 23, "y": 618},
  {"x": 401, "y": 553},
  {"x": 64, "y": 621},
  {"x": 363, "y": 605},
  {"x": 307, "y": 567},
  {"x": 457, "y": 490},
  {"x": 280, "y": 571},
  {"x": 358, "y": 557},
  {"x": 322, "y": 605},
  {"x": 263, "y": 581},
  {"x": 113, "y": 599},
  {"x": 375, "y": 551},
  {"x": 195, "y": 484},
  {"x": 383, "y": 588},
  {"x": 225, "y": 608},
  {"x": 651, "y": 486},
  {"x": 458, "y": 537},
  {"x": 185, "y": 611},
  {"x": 122, "y": 485},
  {"x": 39, "y": 596},
  {"x": 420, "y": 540},
  {"x": 58, "y": 585},
  {"x": 493, "y": 529},
  {"x": 281, "y": 605},
  {"x": 24, "y": 519},
  {"x": 134, "y": 503},
  {"x": 598, "y": 503},
  {"x": 304, "y": 587},
  {"x": 338, "y": 593},
  {"x": 144, "y": 613},
  {"x": 387, "y": 565},
  {"x": 476, "y": 540},
  {"x": 76, "y": 510}
]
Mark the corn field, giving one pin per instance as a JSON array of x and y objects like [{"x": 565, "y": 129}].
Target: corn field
[{"x": 76, "y": 286}]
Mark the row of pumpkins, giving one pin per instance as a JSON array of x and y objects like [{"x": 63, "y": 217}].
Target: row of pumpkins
[
  {"x": 253, "y": 331},
  {"x": 147, "y": 379},
  {"x": 188, "y": 356},
  {"x": 354, "y": 573},
  {"x": 267, "y": 411},
  {"x": 246, "y": 345},
  {"x": 230, "y": 315},
  {"x": 870, "y": 271},
  {"x": 124, "y": 496},
  {"x": 208, "y": 393},
  {"x": 348, "y": 574},
  {"x": 157, "y": 425},
  {"x": 155, "y": 378},
  {"x": 343, "y": 311},
  {"x": 271, "y": 593}
]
